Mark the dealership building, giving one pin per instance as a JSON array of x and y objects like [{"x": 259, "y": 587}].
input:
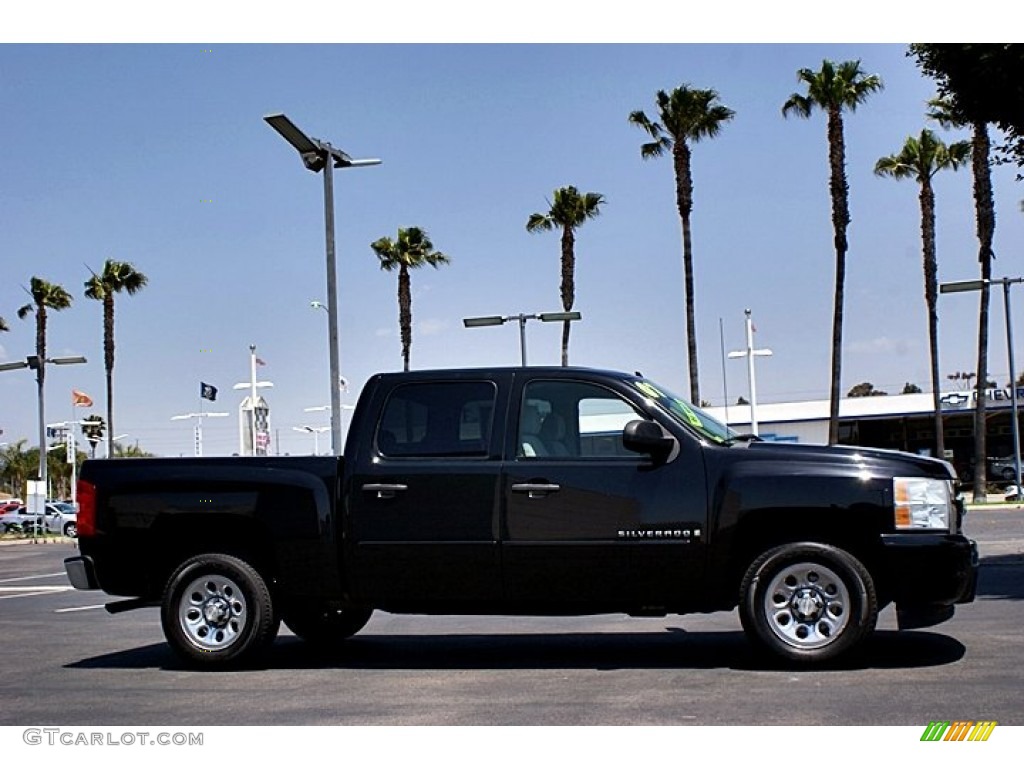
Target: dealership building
[{"x": 901, "y": 422}]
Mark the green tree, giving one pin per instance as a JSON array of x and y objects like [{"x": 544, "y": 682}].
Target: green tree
[
  {"x": 910, "y": 389},
  {"x": 981, "y": 83},
  {"x": 942, "y": 111},
  {"x": 46, "y": 296},
  {"x": 412, "y": 249},
  {"x": 567, "y": 211},
  {"x": 865, "y": 389},
  {"x": 17, "y": 466},
  {"x": 832, "y": 89},
  {"x": 117, "y": 276},
  {"x": 687, "y": 115},
  {"x": 130, "y": 452},
  {"x": 920, "y": 158}
]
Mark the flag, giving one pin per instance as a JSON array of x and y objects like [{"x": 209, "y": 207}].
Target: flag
[
  {"x": 207, "y": 391},
  {"x": 259, "y": 362},
  {"x": 80, "y": 398}
]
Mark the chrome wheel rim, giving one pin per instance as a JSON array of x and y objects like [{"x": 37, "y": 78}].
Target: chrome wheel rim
[
  {"x": 807, "y": 605},
  {"x": 212, "y": 612}
]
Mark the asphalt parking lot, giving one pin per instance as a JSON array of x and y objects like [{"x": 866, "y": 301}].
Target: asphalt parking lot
[{"x": 65, "y": 661}]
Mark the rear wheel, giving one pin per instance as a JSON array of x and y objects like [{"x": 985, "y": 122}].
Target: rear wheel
[
  {"x": 808, "y": 602},
  {"x": 217, "y": 610},
  {"x": 324, "y": 627}
]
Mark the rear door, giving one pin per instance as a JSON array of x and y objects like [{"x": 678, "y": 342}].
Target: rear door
[{"x": 423, "y": 499}]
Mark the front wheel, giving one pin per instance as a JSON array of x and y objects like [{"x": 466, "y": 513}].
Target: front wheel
[
  {"x": 70, "y": 530},
  {"x": 217, "y": 610},
  {"x": 808, "y": 602}
]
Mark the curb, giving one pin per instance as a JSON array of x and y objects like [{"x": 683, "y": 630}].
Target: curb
[{"x": 41, "y": 540}]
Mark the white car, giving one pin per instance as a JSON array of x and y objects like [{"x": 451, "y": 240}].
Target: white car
[{"x": 62, "y": 518}]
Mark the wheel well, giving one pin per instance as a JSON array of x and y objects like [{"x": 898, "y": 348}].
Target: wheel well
[
  {"x": 191, "y": 535},
  {"x": 760, "y": 533}
]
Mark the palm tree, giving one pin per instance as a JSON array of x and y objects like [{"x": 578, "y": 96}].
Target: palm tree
[
  {"x": 567, "y": 211},
  {"x": 687, "y": 115},
  {"x": 411, "y": 250},
  {"x": 93, "y": 429},
  {"x": 116, "y": 276},
  {"x": 45, "y": 296},
  {"x": 920, "y": 158},
  {"x": 941, "y": 111},
  {"x": 832, "y": 89}
]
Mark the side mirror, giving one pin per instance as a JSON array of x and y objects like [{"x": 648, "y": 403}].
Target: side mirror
[{"x": 642, "y": 436}]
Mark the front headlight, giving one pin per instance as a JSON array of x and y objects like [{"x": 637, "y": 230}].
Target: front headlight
[{"x": 922, "y": 503}]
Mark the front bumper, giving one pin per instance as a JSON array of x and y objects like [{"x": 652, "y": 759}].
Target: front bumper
[
  {"x": 81, "y": 572},
  {"x": 926, "y": 570}
]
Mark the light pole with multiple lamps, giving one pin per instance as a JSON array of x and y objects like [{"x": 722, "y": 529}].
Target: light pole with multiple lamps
[
  {"x": 544, "y": 317},
  {"x": 321, "y": 156},
  {"x": 960, "y": 286},
  {"x": 315, "y": 431},
  {"x": 750, "y": 353},
  {"x": 39, "y": 366}
]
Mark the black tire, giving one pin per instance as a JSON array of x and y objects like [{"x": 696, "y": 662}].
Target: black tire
[
  {"x": 217, "y": 611},
  {"x": 71, "y": 530},
  {"x": 326, "y": 628},
  {"x": 808, "y": 602}
]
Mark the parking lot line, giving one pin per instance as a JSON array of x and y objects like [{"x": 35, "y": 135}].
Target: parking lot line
[
  {"x": 33, "y": 591},
  {"x": 79, "y": 608},
  {"x": 29, "y": 578}
]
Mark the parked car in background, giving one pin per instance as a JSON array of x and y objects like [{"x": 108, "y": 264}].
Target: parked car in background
[
  {"x": 62, "y": 518},
  {"x": 18, "y": 520},
  {"x": 59, "y": 517},
  {"x": 1004, "y": 468}
]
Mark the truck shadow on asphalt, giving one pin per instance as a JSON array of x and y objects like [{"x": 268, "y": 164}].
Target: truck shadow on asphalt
[
  {"x": 1001, "y": 578},
  {"x": 674, "y": 648}
]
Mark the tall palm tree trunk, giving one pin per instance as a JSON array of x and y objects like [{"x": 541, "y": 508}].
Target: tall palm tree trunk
[
  {"x": 985, "y": 220},
  {"x": 684, "y": 202},
  {"x": 108, "y": 364},
  {"x": 839, "y": 191},
  {"x": 405, "y": 313},
  {"x": 568, "y": 286},
  {"x": 931, "y": 296}
]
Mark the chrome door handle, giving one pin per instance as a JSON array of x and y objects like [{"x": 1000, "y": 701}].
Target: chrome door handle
[
  {"x": 385, "y": 490},
  {"x": 536, "y": 490}
]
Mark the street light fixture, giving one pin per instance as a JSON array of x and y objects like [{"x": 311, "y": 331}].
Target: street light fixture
[
  {"x": 33, "y": 362},
  {"x": 977, "y": 285},
  {"x": 544, "y": 317},
  {"x": 321, "y": 156},
  {"x": 198, "y": 429},
  {"x": 315, "y": 431}
]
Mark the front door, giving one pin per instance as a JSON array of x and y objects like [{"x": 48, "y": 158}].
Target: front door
[{"x": 590, "y": 525}]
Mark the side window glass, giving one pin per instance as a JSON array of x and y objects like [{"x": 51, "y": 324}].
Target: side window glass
[
  {"x": 434, "y": 419},
  {"x": 566, "y": 419}
]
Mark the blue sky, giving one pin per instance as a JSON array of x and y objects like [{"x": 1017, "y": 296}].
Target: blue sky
[{"x": 157, "y": 154}]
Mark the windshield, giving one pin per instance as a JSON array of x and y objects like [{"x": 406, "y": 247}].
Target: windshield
[{"x": 686, "y": 414}]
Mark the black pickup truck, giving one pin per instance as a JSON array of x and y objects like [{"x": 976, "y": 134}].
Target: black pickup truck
[{"x": 527, "y": 491}]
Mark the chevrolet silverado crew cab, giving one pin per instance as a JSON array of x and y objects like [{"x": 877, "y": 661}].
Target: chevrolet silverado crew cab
[{"x": 527, "y": 491}]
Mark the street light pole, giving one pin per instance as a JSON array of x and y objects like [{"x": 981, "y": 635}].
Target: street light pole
[
  {"x": 38, "y": 364},
  {"x": 545, "y": 317},
  {"x": 960, "y": 286},
  {"x": 321, "y": 156}
]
